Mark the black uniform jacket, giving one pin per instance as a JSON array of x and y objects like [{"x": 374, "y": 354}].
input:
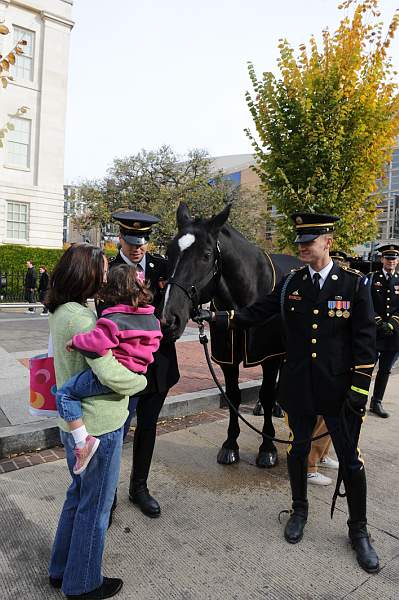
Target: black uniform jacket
[
  {"x": 385, "y": 295},
  {"x": 330, "y": 338},
  {"x": 30, "y": 279},
  {"x": 163, "y": 373}
]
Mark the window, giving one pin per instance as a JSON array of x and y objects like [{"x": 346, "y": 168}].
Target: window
[
  {"x": 17, "y": 220},
  {"x": 23, "y": 68},
  {"x": 18, "y": 143}
]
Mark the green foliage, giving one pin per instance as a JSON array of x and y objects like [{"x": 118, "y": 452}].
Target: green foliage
[
  {"x": 328, "y": 124},
  {"x": 155, "y": 182},
  {"x": 13, "y": 257}
]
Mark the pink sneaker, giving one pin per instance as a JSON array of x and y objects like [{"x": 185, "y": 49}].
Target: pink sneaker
[{"x": 85, "y": 454}]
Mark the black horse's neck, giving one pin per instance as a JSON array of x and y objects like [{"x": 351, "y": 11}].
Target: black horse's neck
[{"x": 246, "y": 272}]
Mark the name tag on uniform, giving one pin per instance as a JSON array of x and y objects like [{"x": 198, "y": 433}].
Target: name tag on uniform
[{"x": 294, "y": 297}]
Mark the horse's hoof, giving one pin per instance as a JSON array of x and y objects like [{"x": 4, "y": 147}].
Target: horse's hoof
[
  {"x": 258, "y": 410},
  {"x": 228, "y": 456},
  {"x": 267, "y": 460},
  {"x": 278, "y": 411}
]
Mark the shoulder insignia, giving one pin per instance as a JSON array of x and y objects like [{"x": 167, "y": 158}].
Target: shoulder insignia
[
  {"x": 352, "y": 271},
  {"x": 298, "y": 268}
]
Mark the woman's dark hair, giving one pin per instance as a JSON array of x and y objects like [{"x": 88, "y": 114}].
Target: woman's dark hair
[
  {"x": 77, "y": 276},
  {"x": 123, "y": 287}
]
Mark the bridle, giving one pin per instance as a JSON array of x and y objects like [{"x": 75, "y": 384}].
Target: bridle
[{"x": 193, "y": 291}]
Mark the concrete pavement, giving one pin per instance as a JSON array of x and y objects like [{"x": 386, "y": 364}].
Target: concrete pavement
[{"x": 218, "y": 537}]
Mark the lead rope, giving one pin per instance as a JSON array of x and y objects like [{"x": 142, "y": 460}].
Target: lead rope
[{"x": 204, "y": 341}]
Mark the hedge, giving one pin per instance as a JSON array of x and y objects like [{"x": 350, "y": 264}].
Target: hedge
[{"x": 13, "y": 257}]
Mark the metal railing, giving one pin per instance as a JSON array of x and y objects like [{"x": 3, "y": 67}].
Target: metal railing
[{"x": 12, "y": 286}]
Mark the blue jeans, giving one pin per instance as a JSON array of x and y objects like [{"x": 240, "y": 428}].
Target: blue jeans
[
  {"x": 69, "y": 396},
  {"x": 133, "y": 401},
  {"x": 78, "y": 547}
]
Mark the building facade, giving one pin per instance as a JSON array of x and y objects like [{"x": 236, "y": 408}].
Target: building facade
[{"x": 32, "y": 158}]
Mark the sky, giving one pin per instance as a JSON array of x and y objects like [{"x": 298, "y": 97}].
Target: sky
[{"x": 144, "y": 73}]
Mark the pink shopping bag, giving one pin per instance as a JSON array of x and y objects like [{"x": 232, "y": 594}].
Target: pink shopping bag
[{"x": 42, "y": 386}]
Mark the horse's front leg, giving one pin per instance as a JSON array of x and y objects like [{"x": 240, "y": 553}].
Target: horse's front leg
[
  {"x": 229, "y": 452},
  {"x": 267, "y": 456}
]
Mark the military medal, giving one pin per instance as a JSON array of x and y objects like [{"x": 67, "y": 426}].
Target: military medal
[
  {"x": 346, "y": 305},
  {"x": 338, "y": 305},
  {"x": 331, "y": 306},
  {"x": 331, "y": 313},
  {"x": 339, "y": 313}
]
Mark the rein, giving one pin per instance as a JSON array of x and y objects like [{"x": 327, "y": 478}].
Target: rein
[{"x": 203, "y": 339}]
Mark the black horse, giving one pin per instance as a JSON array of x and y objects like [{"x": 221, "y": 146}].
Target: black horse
[{"x": 211, "y": 261}]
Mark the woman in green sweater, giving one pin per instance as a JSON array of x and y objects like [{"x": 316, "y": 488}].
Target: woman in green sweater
[{"x": 75, "y": 564}]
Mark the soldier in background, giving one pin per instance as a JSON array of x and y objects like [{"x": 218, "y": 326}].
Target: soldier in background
[{"x": 384, "y": 286}]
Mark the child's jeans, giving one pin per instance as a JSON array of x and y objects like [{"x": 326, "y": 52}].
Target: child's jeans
[{"x": 69, "y": 396}]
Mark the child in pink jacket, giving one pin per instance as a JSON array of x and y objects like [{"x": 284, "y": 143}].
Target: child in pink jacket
[{"x": 127, "y": 327}]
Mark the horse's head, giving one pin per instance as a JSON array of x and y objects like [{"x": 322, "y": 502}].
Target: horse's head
[{"x": 194, "y": 268}]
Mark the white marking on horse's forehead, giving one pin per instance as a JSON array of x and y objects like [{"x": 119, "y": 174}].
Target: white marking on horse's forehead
[{"x": 186, "y": 241}]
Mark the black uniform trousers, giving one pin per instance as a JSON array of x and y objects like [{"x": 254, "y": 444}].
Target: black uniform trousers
[
  {"x": 386, "y": 358},
  {"x": 348, "y": 453}
]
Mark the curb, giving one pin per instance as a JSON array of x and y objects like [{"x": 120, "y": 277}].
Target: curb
[{"x": 30, "y": 437}]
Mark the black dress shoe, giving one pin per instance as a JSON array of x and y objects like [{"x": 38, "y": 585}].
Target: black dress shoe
[
  {"x": 365, "y": 554},
  {"x": 55, "y": 582},
  {"x": 293, "y": 531},
  {"x": 109, "y": 587},
  {"x": 377, "y": 408},
  {"x": 146, "y": 503}
]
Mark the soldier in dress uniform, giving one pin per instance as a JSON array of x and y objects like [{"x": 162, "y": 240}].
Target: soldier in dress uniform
[
  {"x": 330, "y": 354},
  {"x": 163, "y": 373},
  {"x": 384, "y": 285}
]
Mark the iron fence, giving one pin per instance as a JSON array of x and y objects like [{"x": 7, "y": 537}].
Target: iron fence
[{"x": 12, "y": 286}]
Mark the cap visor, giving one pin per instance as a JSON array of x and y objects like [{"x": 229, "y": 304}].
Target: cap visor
[
  {"x": 135, "y": 240},
  {"x": 305, "y": 237}
]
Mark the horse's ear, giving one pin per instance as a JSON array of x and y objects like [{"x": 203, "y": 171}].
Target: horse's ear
[
  {"x": 217, "y": 221},
  {"x": 183, "y": 216}
]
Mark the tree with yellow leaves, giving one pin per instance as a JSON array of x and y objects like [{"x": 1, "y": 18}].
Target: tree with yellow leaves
[
  {"x": 5, "y": 63},
  {"x": 327, "y": 126}
]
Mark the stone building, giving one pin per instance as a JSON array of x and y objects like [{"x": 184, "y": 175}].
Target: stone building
[{"x": 32, "y": 159}]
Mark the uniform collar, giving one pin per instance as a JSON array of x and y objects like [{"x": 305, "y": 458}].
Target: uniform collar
[
  {"x": 140, "y": 264},
  {"x": 323, "y": 273},
  {"x": 386, "y": 274}
]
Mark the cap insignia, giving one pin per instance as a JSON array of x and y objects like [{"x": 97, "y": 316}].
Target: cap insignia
[{"x": 298, "y": 220}]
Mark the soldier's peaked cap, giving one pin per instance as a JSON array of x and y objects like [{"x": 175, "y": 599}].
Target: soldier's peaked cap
[
  {"x": 389, "y": 250},
  {"x": 339, "y": 255},
  {"x": 135, "y": 227},
  {"x": 310, "y": 225}
]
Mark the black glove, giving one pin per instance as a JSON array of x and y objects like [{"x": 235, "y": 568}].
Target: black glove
[
  {"x": 385, "y": 330},
  {"x": 202, "y": 314},
  {"x": 357, "y": 400}
]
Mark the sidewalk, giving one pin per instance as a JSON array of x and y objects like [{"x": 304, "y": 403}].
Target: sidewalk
[
  {"x": 25, "y": 336},
  {"x": 218, "y": 537}
]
